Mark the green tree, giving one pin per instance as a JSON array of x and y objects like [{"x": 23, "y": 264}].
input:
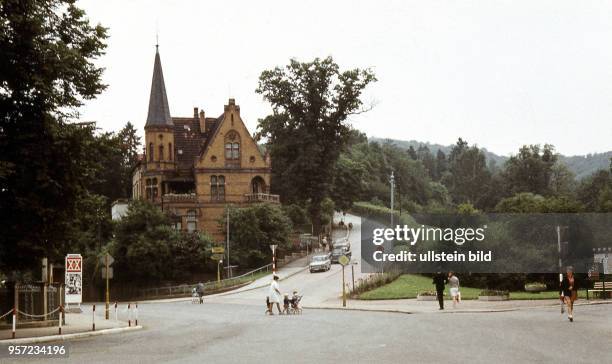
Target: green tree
[
  {"x": 531, "y": 170},
  {"x": 253, "y": 229},
  {"x": 145, "y": 242},
  {"x": 308, "y": 128},
  {"x": 46, "y": 70},
  {"x": 468, "y": 173}
]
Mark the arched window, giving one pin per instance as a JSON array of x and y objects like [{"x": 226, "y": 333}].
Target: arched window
[
  {"x": 217, "y": 188},
  {"x": 161, "y": 152},
  {"x": 151, "y": 150},
  {"x": 232, "y": 149},
  {"x": 170, "y": 151},
  {"x": 192, "y": 221}
]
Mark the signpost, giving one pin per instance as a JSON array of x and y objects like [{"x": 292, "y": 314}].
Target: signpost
[
  {"x": 74, "y": 279},
  {"x": 344, "y": 260},
  {"x": 273, "y": 247},
  {"x": 218, "y": 255},
  {"x": 107, "y": 274}
]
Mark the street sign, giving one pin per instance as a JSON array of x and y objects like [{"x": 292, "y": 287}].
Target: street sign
[
  {"x": 217, "y": 256},
  {"x": 344, "y": 260},
  {"x": 218, "y": 250},
  {"x": 111, "y": 260},
  {"x": 110, "y": 272},
  {"x": 273, "y": 247},
  {"x": 74, "y": 278}
]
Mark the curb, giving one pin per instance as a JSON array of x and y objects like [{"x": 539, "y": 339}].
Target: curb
[
  {"x": 263, "y": 285},
  {"x": 491, "y": 310},
  {"x": 78, "y": 335}
]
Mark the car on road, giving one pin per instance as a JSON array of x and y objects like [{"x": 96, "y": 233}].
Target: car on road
[
  {"x": 321, "y": 262},
  {"x": 340, "y": 251}
]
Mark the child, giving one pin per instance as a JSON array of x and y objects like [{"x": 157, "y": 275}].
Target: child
[
  {"x": 268, "y": 306},
  {"x": 286, "y": 304}
]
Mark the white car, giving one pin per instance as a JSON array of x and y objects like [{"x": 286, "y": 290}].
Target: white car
[{"x": 320, "y": 263}]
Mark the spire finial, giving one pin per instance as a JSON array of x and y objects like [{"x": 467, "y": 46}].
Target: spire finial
[{"x": 157, "y": 41}]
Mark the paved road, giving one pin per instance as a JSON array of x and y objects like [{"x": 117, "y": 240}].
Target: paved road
[
  {"x": 234, "y": 333},
  {"x": 233, "y": 329},
  {"x": 317, "y": 288}
]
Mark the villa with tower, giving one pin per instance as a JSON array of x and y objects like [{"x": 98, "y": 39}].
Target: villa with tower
[{"x": 193, "y": 167}]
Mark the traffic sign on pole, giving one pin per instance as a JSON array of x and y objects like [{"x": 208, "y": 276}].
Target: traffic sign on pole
[
  {"x": 217, "y": 257},
  {"x": 218, "y": 250}
]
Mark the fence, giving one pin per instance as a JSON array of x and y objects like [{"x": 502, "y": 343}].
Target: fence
[
  {"x": 36, "y": 301},
  {"x": 184, "y": 290}
]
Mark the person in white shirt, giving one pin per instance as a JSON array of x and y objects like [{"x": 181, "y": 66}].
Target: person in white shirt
[
  {"x": 275, "y": 295},
  {"x": 453, "y": 282}
]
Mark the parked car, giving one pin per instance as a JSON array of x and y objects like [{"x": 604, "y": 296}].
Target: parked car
[
  {"x": 319, "y": 263},
  {"x": 340, "y": 251}
]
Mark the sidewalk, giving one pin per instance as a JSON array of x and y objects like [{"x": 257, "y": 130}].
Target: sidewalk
[
  {"x": 412, "y": 306},
  {"x": 75, "y": 323}
]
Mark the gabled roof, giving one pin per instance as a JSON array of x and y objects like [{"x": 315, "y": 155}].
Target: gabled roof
[
  {"x": 189, "y": 140},
  {"x": 159, "y": 111}
]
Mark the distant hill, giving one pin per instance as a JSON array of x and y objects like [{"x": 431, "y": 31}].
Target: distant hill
[{"x": 581, "y": 165}]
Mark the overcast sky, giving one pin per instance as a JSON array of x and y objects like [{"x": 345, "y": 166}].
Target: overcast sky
[{"x": 497, "y": 73}]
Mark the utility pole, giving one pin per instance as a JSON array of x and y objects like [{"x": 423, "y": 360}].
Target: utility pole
[
  {"x": 107, "y": 285},
  {"x": 229, "y": 273},
  {"x": 392, "y": 181}
]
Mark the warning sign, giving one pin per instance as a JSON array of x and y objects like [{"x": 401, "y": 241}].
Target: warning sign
[{"x": 74, "y": 278}]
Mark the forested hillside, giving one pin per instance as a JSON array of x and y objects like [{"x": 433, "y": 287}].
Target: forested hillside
[{"x": 581, "y": 165}]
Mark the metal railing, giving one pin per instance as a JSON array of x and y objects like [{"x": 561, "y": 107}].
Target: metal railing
[
  {"x": 262, "y": 197},
  {"x": 176, "y": 197},
  {"x": 185, "y": 290}
]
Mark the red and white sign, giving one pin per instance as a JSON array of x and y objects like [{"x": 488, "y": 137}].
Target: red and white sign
[{"x": 74, "y": 278}]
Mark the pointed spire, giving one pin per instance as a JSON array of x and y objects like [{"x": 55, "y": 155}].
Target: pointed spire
[{"x": 159, "y": 111}]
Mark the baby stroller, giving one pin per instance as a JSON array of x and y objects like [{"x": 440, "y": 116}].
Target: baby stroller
[
  {"x": 195, "y": 298},
  {"x": 295, "y": 308}
]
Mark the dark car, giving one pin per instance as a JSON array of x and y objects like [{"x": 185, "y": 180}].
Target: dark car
[{"x": 338, "y": 252}]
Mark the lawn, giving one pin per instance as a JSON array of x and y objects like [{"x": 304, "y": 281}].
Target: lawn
[{"x": 409, "y": 285}]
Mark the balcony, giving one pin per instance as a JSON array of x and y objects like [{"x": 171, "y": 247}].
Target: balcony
[
  {"x": 180, "y": 198},
  {"x": 262, "y": 197}
]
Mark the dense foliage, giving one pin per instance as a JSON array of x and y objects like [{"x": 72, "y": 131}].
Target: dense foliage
[
  {"x": 46, "y": 69},
  {"x": 308, "y": 128}
]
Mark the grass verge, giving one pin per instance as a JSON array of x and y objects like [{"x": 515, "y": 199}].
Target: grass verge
[{"x": 410, "y": 285}]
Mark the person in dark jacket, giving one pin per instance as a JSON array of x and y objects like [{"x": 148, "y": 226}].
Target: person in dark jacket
[
  {"x": 568, "y": 290},
  {"x": 440, "y": 280},
  {"x": 200, "y": 291}
]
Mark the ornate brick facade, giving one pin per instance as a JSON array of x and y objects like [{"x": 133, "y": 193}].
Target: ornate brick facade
[{"x": 193, "y": 167}]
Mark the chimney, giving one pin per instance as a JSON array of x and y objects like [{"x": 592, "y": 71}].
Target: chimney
[
  {"x": 202, "y": 122},
  {"x": 195, "y": 112}
]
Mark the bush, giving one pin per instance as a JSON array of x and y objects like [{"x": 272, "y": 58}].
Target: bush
[{"x": 374, "y": 281}]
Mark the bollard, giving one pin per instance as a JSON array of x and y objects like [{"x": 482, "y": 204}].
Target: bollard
[
  {"x": 129, "y": 316},
  {"x": 61, "y": 312},
  {"x": 14, "y": 321},
  {"x": 116, "y": 311},
  {"x": 136, "y": 315},
  {"x": 93, "y": 319}
]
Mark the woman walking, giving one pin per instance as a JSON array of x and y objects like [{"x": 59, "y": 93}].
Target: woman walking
[
  {"x": 275, "y": 295},
  {"x": 453, "y": 282},
  {"x": 568, "y": 291}
]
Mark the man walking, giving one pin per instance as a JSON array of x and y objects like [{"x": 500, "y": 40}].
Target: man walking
[
  {"x": 200, "y": 291},
  {"x": 439, "y": 280}
]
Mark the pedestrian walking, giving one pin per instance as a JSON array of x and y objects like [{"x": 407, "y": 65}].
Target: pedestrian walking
[
  {"x": 200, "y": 291},
  {"x": 440, "y": 280},
  {"x": 275, "y": 295},
  {"x": 453, "y": 281},
  {"x": 568, "y": 291}
]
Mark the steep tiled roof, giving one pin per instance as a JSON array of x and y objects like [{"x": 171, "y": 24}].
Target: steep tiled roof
[
  {"x": 159, "y": 111},
  {"x": 189, "y": 140}
]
